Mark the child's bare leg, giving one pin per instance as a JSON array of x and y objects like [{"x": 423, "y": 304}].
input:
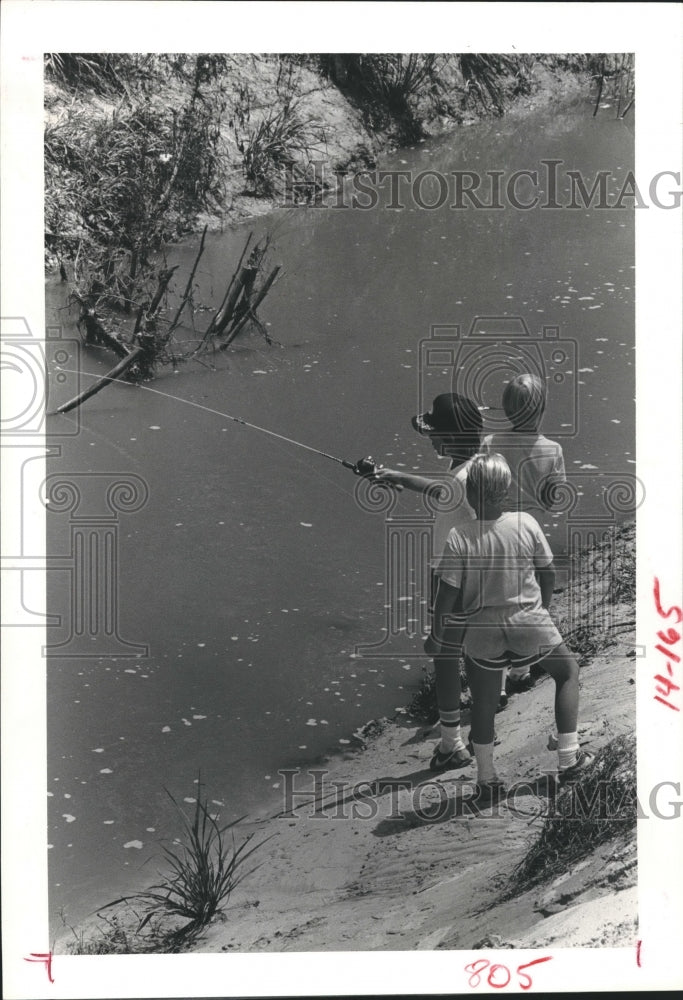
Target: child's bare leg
[
  {"x": 485, "y": 691},
  {"x": 448, "y": 691},
  {"x": 564, "y": 670}
]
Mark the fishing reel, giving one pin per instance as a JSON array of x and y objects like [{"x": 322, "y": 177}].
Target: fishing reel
[
  {"x": 365, "y": 467},
  {"x": 368, "y": 467}
]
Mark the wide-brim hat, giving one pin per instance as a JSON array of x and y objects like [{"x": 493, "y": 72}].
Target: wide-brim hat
[{"x": 451, "y": 413}]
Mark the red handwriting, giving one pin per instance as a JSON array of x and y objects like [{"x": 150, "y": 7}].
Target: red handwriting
[
  {"x": 45, "y": 958},
  {"x": 668, "y": 638},
  {"x": 638, "y": 944},
  {"x": 499, "y": 976}
]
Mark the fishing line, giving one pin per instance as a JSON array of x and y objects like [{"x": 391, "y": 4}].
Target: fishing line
[{"x": 238, "y": 420}]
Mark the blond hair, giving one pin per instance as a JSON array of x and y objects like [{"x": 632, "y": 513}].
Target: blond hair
[
  {"x": 489, "y": 476},
  {"x": 524, "y": 400}
]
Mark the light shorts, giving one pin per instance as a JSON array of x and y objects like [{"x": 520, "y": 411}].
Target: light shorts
[{"x": 496, "y": 638}]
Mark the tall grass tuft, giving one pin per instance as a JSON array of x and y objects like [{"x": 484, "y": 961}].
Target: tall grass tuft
[
  {"x": 599, "y": 807},
  {"x": 386, "y": 86},
  {"x": 202, "y": 873},
  {"x": 281, "y": 136},
  {"x": 100, "y": 72},
  {"x": 490, "y": 78}
]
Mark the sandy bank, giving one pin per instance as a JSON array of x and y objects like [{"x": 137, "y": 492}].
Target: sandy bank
[{"x": 407, "y": 865}]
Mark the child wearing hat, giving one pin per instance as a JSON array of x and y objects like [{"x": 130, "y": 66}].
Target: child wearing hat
[
  {"x": 536, "y": 466},
  {"x": 454, "y": 427},
  {"x": 498, "y": 571}
]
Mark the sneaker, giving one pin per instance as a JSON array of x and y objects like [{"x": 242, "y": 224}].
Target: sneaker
[
  {"x": 488, "y": 793},
  {"x": 470, "y": 748},
  {"x": 583, "y": 760},
  {"x": 450, "y": 760},
  {"x": 502, "y": 702}
]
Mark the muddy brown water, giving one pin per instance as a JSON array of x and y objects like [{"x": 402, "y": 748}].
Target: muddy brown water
[{"x": 252, "y": 573}]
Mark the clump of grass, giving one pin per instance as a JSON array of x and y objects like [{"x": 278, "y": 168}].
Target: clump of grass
[
  {"x": 117, "y": 935},
  {"x": 491, "y": 78},
  {"x": 279, "y": 137},
  {"x": 203, "y": 870},
  {"x": 386, "y": 86},
  {"x": 599, "y": 807},
  {"x": 100, "y": 72}
]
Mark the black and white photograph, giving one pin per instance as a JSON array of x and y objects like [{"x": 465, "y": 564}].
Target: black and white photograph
[{"x": 341, "y": 506}]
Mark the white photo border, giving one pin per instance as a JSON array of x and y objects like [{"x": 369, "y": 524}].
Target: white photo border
[{"x": 652, "y": 32}]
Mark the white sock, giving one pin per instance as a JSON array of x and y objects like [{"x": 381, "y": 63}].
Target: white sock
[
  {"x": 503, "y": 678},
  {"x": 484, "y": 756},
  {"x": 567, "y": 749},
  {"x": 451, "y": 737}
]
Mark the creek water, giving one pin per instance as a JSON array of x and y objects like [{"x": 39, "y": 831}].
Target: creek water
[{"x": 252, "y": 573}]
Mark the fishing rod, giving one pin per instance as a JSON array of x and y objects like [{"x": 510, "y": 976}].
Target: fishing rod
[{"x": 363, "y": 467}]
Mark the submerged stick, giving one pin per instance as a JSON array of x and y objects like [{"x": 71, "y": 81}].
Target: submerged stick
[
  {"x": 252, "y": 308},
  {"x": 188, "y": 287},
  {"x": 111, "y": 376},
  {"x": 236, "y": 272},
  {"x": 600, "y": 86},
  {"x": 627, "y": 108},
  {"x": 164, "y": 278},
  {"x": 597, "y": 100},
  {"x": 222, "y": 319}
]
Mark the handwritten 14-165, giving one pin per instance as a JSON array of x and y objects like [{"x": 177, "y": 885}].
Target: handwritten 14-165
[{"x": 668, "y": 639}]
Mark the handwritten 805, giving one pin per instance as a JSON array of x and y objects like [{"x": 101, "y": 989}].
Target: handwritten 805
[{"x": 499, "y": 976}]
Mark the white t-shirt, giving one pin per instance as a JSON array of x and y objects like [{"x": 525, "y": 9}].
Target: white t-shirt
[
  {"x": 533, "y": 460},
  {"x": 493, "y": 563},
  {"x": 456, "y": 511}
]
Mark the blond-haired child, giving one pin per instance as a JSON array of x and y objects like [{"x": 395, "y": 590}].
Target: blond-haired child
[
  {"x": 499, "y": 570},
  {"x": 536, "y": 466}
]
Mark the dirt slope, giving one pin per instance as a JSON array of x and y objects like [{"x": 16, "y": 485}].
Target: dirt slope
[{"x": 382, "y": 873}]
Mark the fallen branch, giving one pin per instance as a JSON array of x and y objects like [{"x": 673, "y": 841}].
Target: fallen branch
[
  {"x": 95, "y": 333},
  {"x": 111, "y": 376}
]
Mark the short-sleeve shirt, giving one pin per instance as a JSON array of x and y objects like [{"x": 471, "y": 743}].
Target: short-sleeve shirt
[
  {"x": 535, "y": 461},
  {"x": 493, "y": 563},
  {"x": 455, "y": 511}
]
